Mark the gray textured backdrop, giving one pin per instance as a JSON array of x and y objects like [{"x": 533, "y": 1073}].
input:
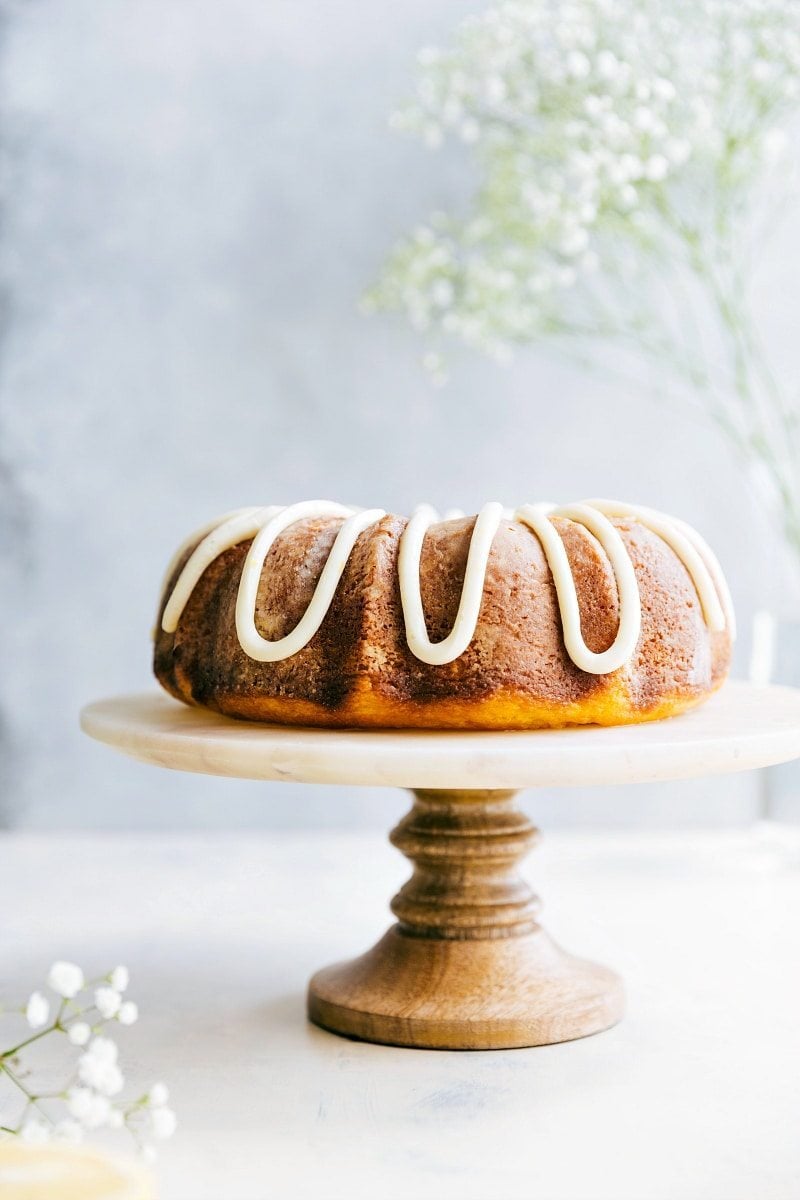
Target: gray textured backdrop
[{"x": 195, "y": 194}]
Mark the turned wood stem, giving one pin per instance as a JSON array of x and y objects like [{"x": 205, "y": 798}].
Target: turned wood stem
[
  {"x": 465, "y": 846},
  {"x": 467, "y": 966}
]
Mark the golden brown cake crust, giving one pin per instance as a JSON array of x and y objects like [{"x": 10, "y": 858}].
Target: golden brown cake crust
[{"x": 358, "y": 671}]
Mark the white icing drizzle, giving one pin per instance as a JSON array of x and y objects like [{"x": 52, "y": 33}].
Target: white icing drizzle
[
  {"x": 250, "y": 639},
  {"x": 235, "y": 527},
  {"x": 538, "y": 518},
  {"x": 696, "y": 556},
  {"x": 264, "y": 526},
  {"x": 463, "y": 631}
]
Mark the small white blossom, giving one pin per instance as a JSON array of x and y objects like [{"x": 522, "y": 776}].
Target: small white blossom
[
  {"x": 158, "y": 1095},
  {"x": 120, "y": 978},
  {"x": 35, "y": 1130},
  {"x": 105, "y": 1078},
  {"x": 628, "y": 196},
  {"x": 495, "y": 89},
  {"x": 163, "y": 1122},
  {"x": 678, "y": 150},
  {"x": 632, "y": 167},
  {"x": 608, "y": 66},
  {"x": 442, "y": 293},
  {"x": 578, "y": 65},
  {"x": 643, "y": 118},
  {"x": 98, "y": 1069},
  {"x": 37, "y": 1010},
  {"x": 103, "y": 1049},
  {"x": 79, "y": 1033},
  {"x": 664, "y": 89},
  {"x": 107, "y": 1001},
  {"x": 656, "y": 168},
  {"x": 574, "y": 242},
  {"x": 116, "y": 1119},
  {"x": 87, "y": 1107},
  {"x": 66, "y": 979},
  {"x": 774, "y": 143},
  {"x": 128, "y": 1013}
]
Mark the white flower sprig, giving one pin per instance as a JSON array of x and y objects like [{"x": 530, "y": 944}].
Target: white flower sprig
[
  {"x": 627, "y": 152},
  {"x": 82, "y": 1012}
]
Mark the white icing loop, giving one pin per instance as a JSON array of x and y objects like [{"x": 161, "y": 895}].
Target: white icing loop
[
  {"x": 537, "y": 518},
  {"x": 463, "y": 631},
  {"x": 264, "y": 525},
  {"x": 715, "y": 570},
  {"x": 244, "y": 523},
  {"x": 250, "y": 639},
  {"x": 693, "y": 552}
]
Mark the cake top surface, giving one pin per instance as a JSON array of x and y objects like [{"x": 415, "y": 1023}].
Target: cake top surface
[{"x": 600, "y": 518}]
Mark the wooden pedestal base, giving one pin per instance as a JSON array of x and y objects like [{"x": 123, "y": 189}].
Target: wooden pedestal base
[{"x": 467, "y": 966}]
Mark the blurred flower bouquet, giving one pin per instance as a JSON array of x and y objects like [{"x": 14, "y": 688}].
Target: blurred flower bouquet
[
  {"x": 629, "y": 160},
  {"x": 91, "y": 1098}
]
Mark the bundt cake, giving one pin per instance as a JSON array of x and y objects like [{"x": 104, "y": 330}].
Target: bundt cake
[{"x": 539, "y": 617}]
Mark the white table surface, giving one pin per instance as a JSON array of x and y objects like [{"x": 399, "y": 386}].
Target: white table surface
[{"x": 695, "y": 1096}]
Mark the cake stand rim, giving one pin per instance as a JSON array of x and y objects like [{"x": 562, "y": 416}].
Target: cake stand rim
[{"x": 718, "y": 737}]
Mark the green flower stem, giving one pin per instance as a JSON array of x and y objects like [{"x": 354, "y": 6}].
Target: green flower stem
[
  {"x": 31, "y": 1097},
  {"x": 35, "y": 1037}
]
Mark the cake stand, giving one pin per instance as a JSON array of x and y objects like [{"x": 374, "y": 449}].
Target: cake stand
[{"x": 467, "y": 965}]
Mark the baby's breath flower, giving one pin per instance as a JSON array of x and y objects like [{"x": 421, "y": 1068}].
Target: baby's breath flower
[
  {"x": 98, "y": 1069},
  {"x": 66, "y": 979},
  {"x": 120, "y": 978},
  {"x": 656, "y": 168},
  {"x": 37, "y": 1010},
  {"x": 632, "y": 137},
  {"x": 163, "y": 1122},
  {"x": 574, "y": 242},
  {"x": 79, "y": 1033},
  {"x": 569, "y": 112},
  {"x": 35, "y": 1130},
  {"x": 91, "y": 1099},
  {"x": 128, "y": 1013},
  {"x": 158, "y": 1095},
  {"x": 87, "y": 1107},
  {"x": 107, "y": 1001},
  {"x": 103, "y": 1050}
]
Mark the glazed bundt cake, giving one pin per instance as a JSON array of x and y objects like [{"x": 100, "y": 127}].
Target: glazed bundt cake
[{"x": 542, "y": 617}]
